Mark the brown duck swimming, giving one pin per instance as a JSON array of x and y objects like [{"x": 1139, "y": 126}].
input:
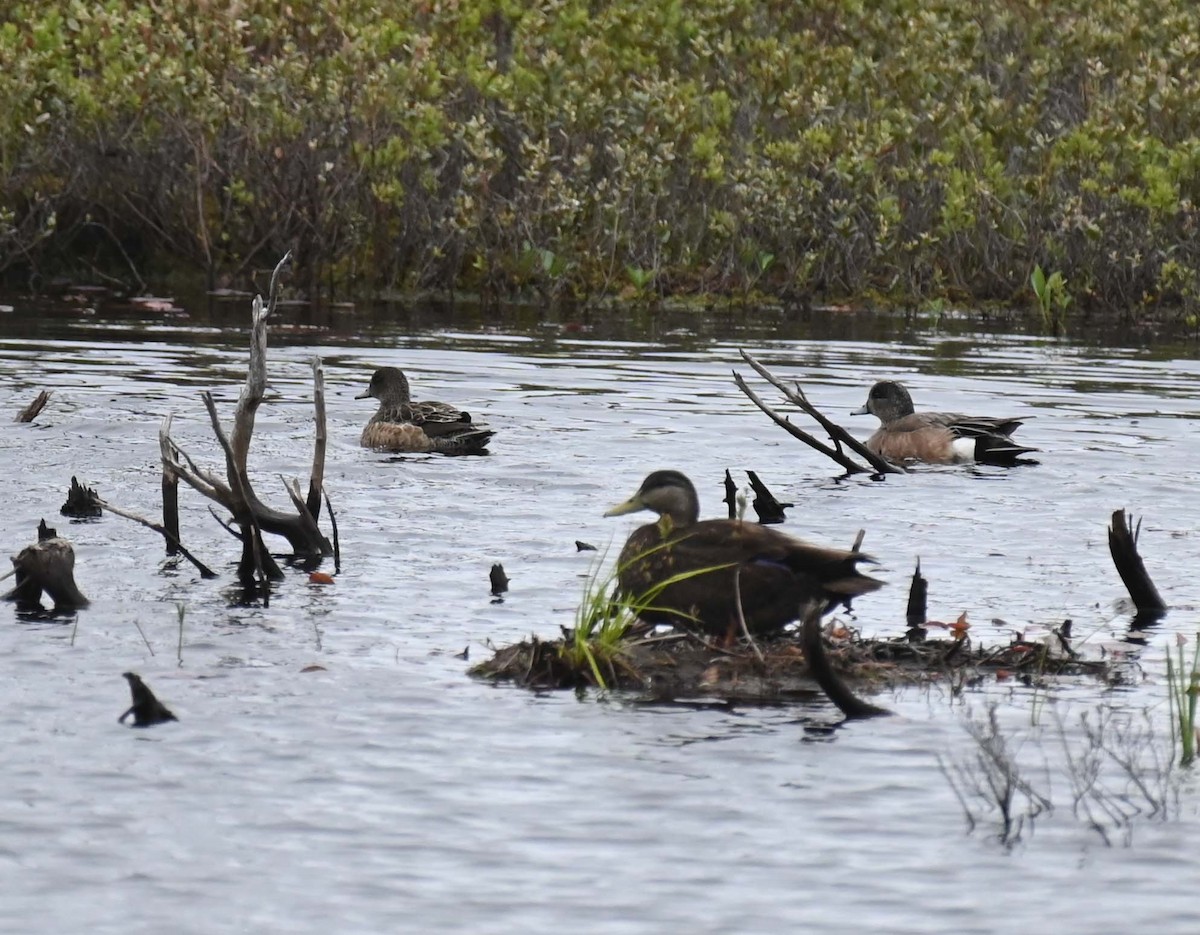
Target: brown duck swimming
[
  {"x": 775, "y": 574},
  {"x": 407, "y": 426},
  {"x": 936, "y": 437}
]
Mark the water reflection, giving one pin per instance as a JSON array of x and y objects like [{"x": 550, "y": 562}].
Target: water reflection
[{"x": 952, "y": 337}]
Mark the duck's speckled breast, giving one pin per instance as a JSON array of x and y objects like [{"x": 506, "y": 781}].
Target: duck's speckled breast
[{"x": 395, "y": 436}]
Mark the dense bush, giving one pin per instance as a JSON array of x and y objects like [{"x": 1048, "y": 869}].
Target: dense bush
[{"x": 903, "y": 150}]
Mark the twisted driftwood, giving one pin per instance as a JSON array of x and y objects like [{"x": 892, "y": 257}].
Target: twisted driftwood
[
  {"x": 31, "y": 412},
  {"x": 234, "y": 491},
  {"x": 839, "y": 436}
]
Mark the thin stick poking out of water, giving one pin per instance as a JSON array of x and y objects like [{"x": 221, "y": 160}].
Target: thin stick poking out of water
[
  {"x": 180, "y": 609},
  {"x": 144, "y": 640}
]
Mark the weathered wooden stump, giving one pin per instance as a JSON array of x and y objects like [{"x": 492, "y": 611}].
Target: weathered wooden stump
[{"x": 47, "y": 567}]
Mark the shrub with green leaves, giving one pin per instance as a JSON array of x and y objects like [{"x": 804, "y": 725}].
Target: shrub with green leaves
[{"x": 902, "y": 150}]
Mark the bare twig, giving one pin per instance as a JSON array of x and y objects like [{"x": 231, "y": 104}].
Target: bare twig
[
  {"x": 254, "y": 389},
  {"x": 307, "y": 520},
  {"x": 337, "y": 549},
  {"x": 256, "y": 373},
  {"x": 204, "y": 570},
  {"x": 227, "y": 525},
  {"x": 179, "y": 463},
  {"x": 170, "y": 488},
  {"x": 276, "y": 274},
  {"x": 241, "y": 508},
  {"x": 838, "y": 435},
  {"x": 235, "y": 492},
  {"x": 737, "y": 593},
  {"x": 238, "y": 481},
  {"x": 851, "y": 466}
]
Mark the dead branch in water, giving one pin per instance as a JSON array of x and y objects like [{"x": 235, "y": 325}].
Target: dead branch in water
[
  {"x": 316, "y": 479},
  {"x": 1122, "y": 544},
  {"x": 170, "y": 488},
  {"x": 173, "y": 543},
  {"x": 839, "y": 436},
  {"x": 30, "y": 412},
  {"x": 234, "y": 491}
]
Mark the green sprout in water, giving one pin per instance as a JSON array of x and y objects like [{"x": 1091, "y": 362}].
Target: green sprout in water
[
  {"x": 1183, "y": 687},
  {"x": 605, "y": 615}
]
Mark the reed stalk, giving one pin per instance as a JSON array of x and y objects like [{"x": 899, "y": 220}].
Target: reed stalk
[{"x": 1183, "y": 688}]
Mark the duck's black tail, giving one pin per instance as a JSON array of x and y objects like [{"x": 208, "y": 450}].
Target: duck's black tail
[{"x": 1002, "y": 450}]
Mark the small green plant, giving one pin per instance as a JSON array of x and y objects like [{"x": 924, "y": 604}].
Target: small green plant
[
  {"x": 1052, "y": 297},
  {"x": 641, "y": 279},
  {"x": 1183, "y": 687},
  {"x": 605, "y": 615},
  {"x": 601, "y": 622}
]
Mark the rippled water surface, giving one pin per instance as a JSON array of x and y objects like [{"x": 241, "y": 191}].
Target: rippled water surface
[{"x": 388, "y": 791}]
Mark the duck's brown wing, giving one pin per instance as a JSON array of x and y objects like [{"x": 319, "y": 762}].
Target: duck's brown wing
[
  {"x": 432, "y": 414},
  {"x": 972, "y": 426},
  {"x": 759, "y": 548},
  {"x": 450, "y": 430},
  {"x": 774, "y": 573}
]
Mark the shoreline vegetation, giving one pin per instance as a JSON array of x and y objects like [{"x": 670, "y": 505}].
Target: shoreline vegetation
[{"x": 901, "y": 154}]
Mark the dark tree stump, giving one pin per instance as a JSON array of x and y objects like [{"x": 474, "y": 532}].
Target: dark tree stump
[
  {"x": 146, "y": 709},
  {"x": 498, "y": 579},
  {"x": 81, "y": 502},
  {"x": 1122, "y": 544}
]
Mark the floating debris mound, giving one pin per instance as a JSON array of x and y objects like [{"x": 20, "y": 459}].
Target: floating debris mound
[
  {"x": 799, "y": 661},
  {"x": 680, "y": 665}
]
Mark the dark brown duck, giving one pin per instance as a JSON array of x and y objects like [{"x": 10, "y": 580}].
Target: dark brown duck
[{"x": 699, "y": 568}]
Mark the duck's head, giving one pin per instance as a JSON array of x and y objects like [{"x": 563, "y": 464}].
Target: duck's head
[
  {"x": 888, "y": 400},
  {"x": 667, "y": 493},
  {"x": 388, "y": 384}
]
